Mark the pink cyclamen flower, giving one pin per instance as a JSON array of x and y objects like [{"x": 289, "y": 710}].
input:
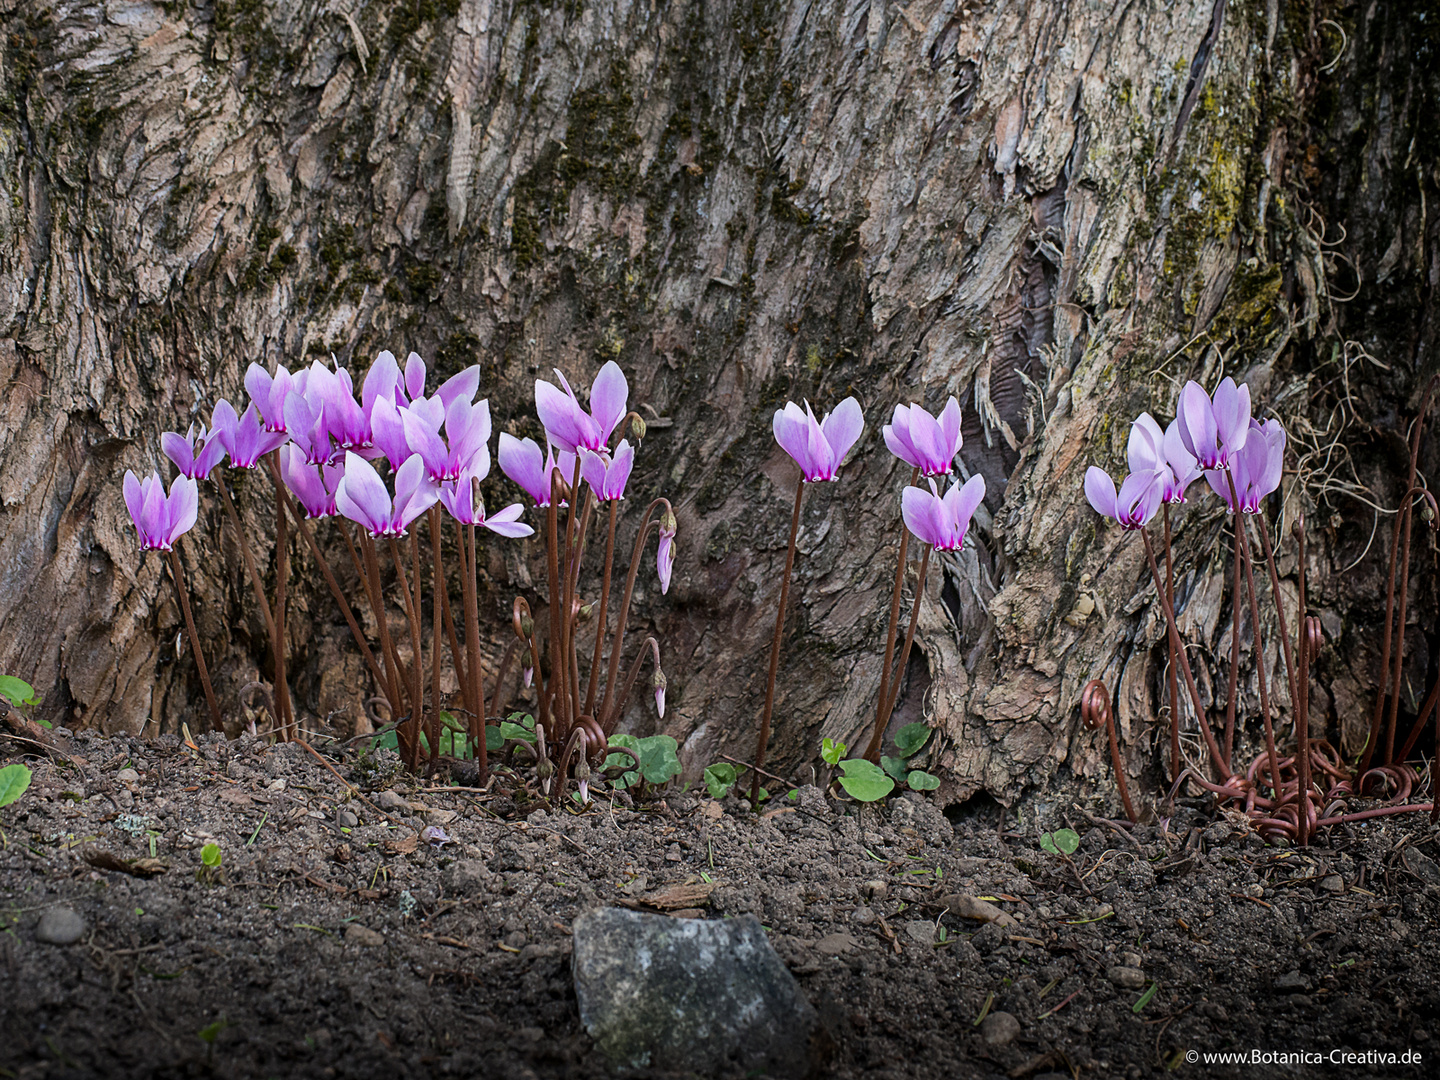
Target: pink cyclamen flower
[
  {"x": 942, "y": 522},
  {"x": 568, "y": 425},
  {"x": 818, "y": 446},
  {"x": 244, "y": 438},
  {"x": 161, "y": 520},
  {"x": 607, "y": 475},
  {"x": 665, "y": 553},
  {"x": 307, "y": 429},
  {"x": 1137, "y": 502},
  {"x": 363, "y": 498},
  {"x": 1151, "y": 450},
  {"x": 181, "y": 450},
  {"x": 1214, "y": 430},
  {"x": 522, "y": 462},
  {"x": 462, "y": 499},
  {"x": 313, "y": 486},
  {"x": 1256, "y": 469},
  {"x": 467, "y": 427},
  {"x": 918, "y": 439},
  {"x": 269, "y": 392}
]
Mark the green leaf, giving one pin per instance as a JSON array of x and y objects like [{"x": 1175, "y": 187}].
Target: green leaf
[
  {"x": 1145, "y": 998},
  {"x": 720, "y": 778},
  {"x": 894, "y": 766},
  {"x": 659, "y": 758},
  {"x": 14, "y": 779},
  {"x": 210, "y": 1032},
  {"x": 919, "y": 780},
  {"x": 864, "y": 780},
  {"x": 210, "y": 855},
  {"x": 494, "y": 741},
  {"x": 510, "y": 731},
  {"x": 17, "y": 691},
  {"x": 1060, "y": 842},
  {"x": 386, "y": 740},
  {"x": 831, "y": 752},
  {"x": 911, "y": 739}
]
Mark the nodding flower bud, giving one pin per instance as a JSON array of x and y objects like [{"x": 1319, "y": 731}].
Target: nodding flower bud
[
  {"x": 637, "y": 426},
  {"x": 529, "y": 677},
  {"x": 582, "y": 769},
  {"x": 544, "y": 772},
  {"x": 586, "y": 610},
  {"x": 659, "y": 682},
  {"x": 524, "y": 625},
  {"x": 668, "y": 524}
]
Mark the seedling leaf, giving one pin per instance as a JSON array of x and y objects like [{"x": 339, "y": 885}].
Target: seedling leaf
[
  {"x": 14, "y": 779},
  {"x": 894, "y": 766},
  {"x": 17, "y": 691},
  {"x": 720, "y": 778},
  {"x": 210, "y": 855},
  {"x": 831, "y": 752},
  {"x": 911, "y": 739},
  {"x": 1060, "y": 842},
  {"x": 865, "y": 781},
  {"x": 919, "y": 780},
  {"x": 1145, "y": 999}
]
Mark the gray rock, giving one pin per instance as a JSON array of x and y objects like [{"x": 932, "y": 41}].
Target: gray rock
[
  {"x": 346, "y": 819},
  {"x": 127, "y": 776},
  {"x": 920, "y": 931},
  {"x": 1292, "y": 982},
  {"x": 1127, "y": 978},
  {"x": 1332, "y": 883},
  {"x": 692, "y": 995},
  {"x": 465, "y": 877},
  {"x": 1422, "y": 866},
  {"x": 988, "y": 938},
  {"x": 391, "y": 800},
  {"x": 875, "y": 889},
  {"x": 863, "y": 916},
  {"x": 999, "y": 1029},
  {"x": 60, "y": 926}
]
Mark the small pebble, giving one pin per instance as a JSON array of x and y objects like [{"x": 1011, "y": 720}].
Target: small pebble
[
  {"x": 356, "y": 934},
  {"x": 920, "y": 931},
  {"x": 999, "y": 1029},
  {"x": 672, "y": 853},
  {"x": 1127, "y": 978},
  {"x": 835, "y": 944},
  {"x": 1332, "y": 883},
  {"x": 346, "y": 819},
  {"x": 1130, "y": 959},
  {"x": 60, "y": 926},
  {"x": 875, "y": 889},
  {"x": 276, "y": 786},
  {"x": 391, "y": 800},
  {"x": 127, "y": 776},
  {"x": 1292, "y": 982},
  {"x": 863, "y": 916},
  {"x": 441, "y": 817}
]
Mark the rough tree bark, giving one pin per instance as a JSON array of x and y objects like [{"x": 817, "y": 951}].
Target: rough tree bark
[{"x": 1055, "y": 211}]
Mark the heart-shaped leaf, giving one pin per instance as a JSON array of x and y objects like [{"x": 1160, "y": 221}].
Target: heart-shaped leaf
[
  {"x": 864, "y": 780},
  {"x": 911, "y": 739},
  {"x": 14, "y": 779}
]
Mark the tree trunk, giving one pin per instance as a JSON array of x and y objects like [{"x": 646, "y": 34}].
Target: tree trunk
[{"x": 1056, "y": 212}]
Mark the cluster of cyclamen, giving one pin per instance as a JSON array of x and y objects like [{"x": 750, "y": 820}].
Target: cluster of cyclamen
[
  {"x": 929, "y": 445},
  {"x": 1240, "y": 457},
  {"x": 321, "y": 442}
]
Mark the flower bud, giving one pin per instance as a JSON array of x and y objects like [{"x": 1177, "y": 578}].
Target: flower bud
[
  {"x": 637, "y": 426},
  {"x": 659, "y": 682},
  {"x": 668, "y": 524}
]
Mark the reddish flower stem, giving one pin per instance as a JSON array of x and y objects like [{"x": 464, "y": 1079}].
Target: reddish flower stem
[
  {"x": 282, "y": 574},
  {"x": 877, "y": 738},
  {"x": 609, "y": 714},
  {"x": 764, "y": 739},
  {"x": 1265, "y": 713},
  {"x": 1302, "y": 702},
  {"x": 178, "y": 575},
  {"x": 600, "y": 621},
  {"x": 909, "y": 636},
  {"x": 1172, "y": 677}
]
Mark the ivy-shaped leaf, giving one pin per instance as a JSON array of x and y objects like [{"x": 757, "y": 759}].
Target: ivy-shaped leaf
[
  {"x": 911, "y": 739},
  {"x": 864, "y": 780},
  {"x": 14, "y": 779}
]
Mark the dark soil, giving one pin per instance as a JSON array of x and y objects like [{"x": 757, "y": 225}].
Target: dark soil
[{"x": 330, "y": 949}]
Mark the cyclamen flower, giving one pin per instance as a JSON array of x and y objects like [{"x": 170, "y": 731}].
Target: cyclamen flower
[
  {"x": 314, "y": 488},
  {"x": 658, "y": 683},
  {"x": 818, "y": 446},
  {"x": 269, "y": 393},
  {"x": 1151, "y": 450},
  {"x": 1137, "y": 502},
  {"x": 465, "y": 505},
  {"x": 568, "y": 425},
  {"x": 918, "y": 439},
  {"x": 181, "y": 450},
  {"x": 522, "y": 462},
  {"x": 161, "y": 520},
  {"x": 334, "y": 392},
  {"x": 942, "y": 522},
  {"x": 468, "y": 429},
  {"x": 307, "y": 429},
  {"x": 665, "y": 553},
  {"x": 363, "y": 498},
  {"x": 243, "y": 437},
  {"x": 1256, "y": 469},
  {"x": 608, "y": 475},
  {"x": 1214, "y": 431}
]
